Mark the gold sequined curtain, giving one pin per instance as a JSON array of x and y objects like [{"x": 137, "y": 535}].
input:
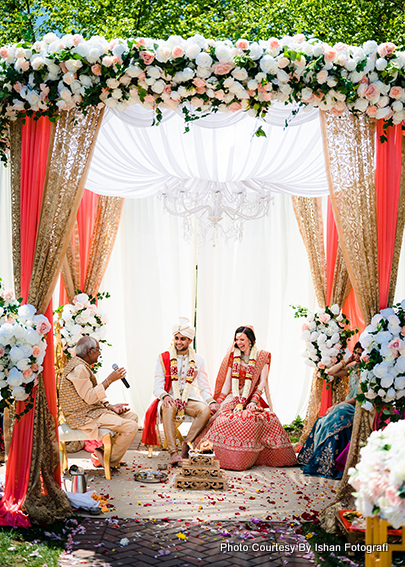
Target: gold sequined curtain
[
  {"x": 308, "y": 211},
  {"x": 349, "y": 154},
  {"x": 104, "y": 233},
  {"x": 71, "y": 264},
  {"x": 399, "y": 231},
  {"x": 69, "y": 155}
]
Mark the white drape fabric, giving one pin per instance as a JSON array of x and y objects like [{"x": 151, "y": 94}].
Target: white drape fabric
[
  {"x": 133, "y": 159},
  {"x": 6, "y": 258},
  {"x": 151, "y": 281}
]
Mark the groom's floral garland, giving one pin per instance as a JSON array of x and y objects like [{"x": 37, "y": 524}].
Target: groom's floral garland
[
  {"x": 22, "y": 350},
  {"x": 81, "y": 318},
  {"x": 383, "y": 361},
  {"x": 379, "y": 477},
  {"x": 326, "y": 335},
  {"x": 181, "y": 400},
  {"x": 199, "y": 76},
  {"x": 248, "y": 378}
]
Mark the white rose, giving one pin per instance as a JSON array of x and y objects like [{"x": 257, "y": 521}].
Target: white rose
[
  {"x": 255, "y": 51},
  {"x": 133, "y": 71},
  {"x": 387, "y": 381},
  {"x": 370, "y": 395},
  {"x": 193, "y": 50},
  {"x": 282, "y": 76},
  {"x": 23, "y": 364},
  {"x": 73, "y": 65},
  {"x": 399, "y": 382},
  {"x": 268, "y": 65},
  {"x": 86, "y": 80},
  {"x": 16, "y": 354},
  {"x": 310, "y": 363},
  {"x": 222, "y": 52},
  {"x": 361, "y": 104},
  {"x": 203, "y": 59},
  {"x": 335, "y": 309},
  {"x": 83, "y": 298},
  {"x": 15, "y": 378},
  {"x": 368, "y": 406},
  {"x": 400, "y": 364},
  {"x": 240, "y": 73},
  {"x": 381, "y": 64},
  {"x": 158, "y": 87},
  {"x": 26, "y": 311},
  {"x": 19, "y": 393}
]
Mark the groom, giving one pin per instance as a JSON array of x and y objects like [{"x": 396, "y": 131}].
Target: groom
[{"x": 177, "y": 373}]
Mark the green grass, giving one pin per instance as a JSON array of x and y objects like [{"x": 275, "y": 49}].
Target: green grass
[
  {"x": 294, "y": 429},
  {"x": 36, "y": 547}
]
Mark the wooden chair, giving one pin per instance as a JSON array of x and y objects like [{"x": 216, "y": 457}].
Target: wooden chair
[
  {"x": 67, "y": 434},
  {"x": 186, "y": 419}
]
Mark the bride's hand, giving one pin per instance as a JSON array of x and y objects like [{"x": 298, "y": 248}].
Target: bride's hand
[{"x": 251, "y": 406}]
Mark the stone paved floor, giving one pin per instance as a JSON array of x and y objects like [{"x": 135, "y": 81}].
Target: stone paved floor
[{"x": 143, "y": 543}]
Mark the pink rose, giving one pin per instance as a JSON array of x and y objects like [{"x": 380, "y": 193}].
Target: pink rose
[
  {"x": 141, "y": 76},
  {"x": 242, "y": 43},
  {"x": 305, "y": 327},
  {"x": 220, "y": 95},
  {"x": 267, "y": 96},
  {"x": 364, "y": 357},
  {"x": 172, "y": 104},
  {"x": 340, "y": 106},
  {"x": 25, "y": 65},
  {"x": 322, "y": 77},
  {"x": 125, "y": 80},
  {"x": 324, "y": 318},
  {"x": 43, "y": 327},
  {"x": 221, "y": 68},
  {"x": 1, "y": 352},
  {"x": 27, "y": 373},
  {"x": 63, "y": 67},
  {"x": 364, "y": 80},
  {"x": 199, "y": 82},
  {"x": 371, "y": 111},
  {"x": 117, "y": 60},
  {"x": 333, "y": 360},
  {"x": 140, "y": 41},
  {"x": 337, "y": 346},
  {"x": 17, "y": 86},
  {"x": 167, "y": 89},
  {"x": 107, "y": 61},
  {"x": 36, "y": 351},
  {"x": 4, "y": 52},
  {"x": 235, "y": 106},
  {"x": 320, "y": 365},
  {"x": 35, "y": 367},
  {"x": 96, "y": 69},
  {"x": 396, "y": 92},
  {"x": 177, "y": 52},
  {"x": 8, "y": 293},
  {"x": 77, "y": 39},
  {"x": 274, "y": 43},
  {"x": 386, "y": 49},
  {"x": 147, "y": 57},
  {"x": 340, "y": 46},
  {"x": 403, "y": 331},
  {"x": 68, "y": 78},
  {"x": 372, "y": 92}
]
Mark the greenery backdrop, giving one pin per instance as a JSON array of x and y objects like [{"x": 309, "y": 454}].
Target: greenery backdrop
[{"x": 349, "y": 21}]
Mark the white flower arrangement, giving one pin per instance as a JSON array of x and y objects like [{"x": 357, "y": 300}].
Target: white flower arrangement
[
  {"x": 81, "y": 318},
  {"x": 22, "y": 349},
  {"x": 200, "y": 76},
  {"x": 383, "y": 361},
  {"x": 325, "y": 334},
  {"x": 379, "y": 477}
]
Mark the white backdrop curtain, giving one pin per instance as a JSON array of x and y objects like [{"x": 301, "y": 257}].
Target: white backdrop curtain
[
  {"x": 6, "y": 258},
  {"x": 132, "y": 159}
]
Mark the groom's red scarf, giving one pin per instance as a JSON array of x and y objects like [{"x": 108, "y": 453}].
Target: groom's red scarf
[{"x": 150, "y": 434}]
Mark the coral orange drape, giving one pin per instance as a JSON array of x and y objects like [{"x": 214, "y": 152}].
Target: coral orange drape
[
  {"x": 34, "y": 158},
  {"x": 86, "y": 216}
]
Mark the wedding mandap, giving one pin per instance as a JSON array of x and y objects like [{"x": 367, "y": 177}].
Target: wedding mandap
[{"x": 99, "y": 137}]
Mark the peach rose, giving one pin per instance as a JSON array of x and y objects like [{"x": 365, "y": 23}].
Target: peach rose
[
  {"x": 324, "y": 317},
  {"x": 167, "y": 90},
  {"x": 117, "y": 60},
  {"x": 4, "y": 52},
  {"x": 17, "y": 86},
  {"x": 125, "y": 80},
  {"x": 220, "y": 95},
  {"x": 364, "y": 80},
  {"x": 172, "y": 104},
  {"x": 1, "y": 352},
  {"x": 235, "y": 106},
  {"x": 396, "y": 92},
  {"x": 329, "y": 54},
  {"x": 242, "y": 43},
  {"x": 198, "y": 82},
  {"x": 267, "y": 96},
  {"x": 386, "y": 49},
  {"x": 147, "y": 57},
  {"x": 35, "y": 367},
  {"x": 27, "y": 373},
  {"x": 371, "y": 111},
  {"x": 221, "y": 68},
  {"x": 320, "y": 365},
  {"x": 336, "y": 111},
  {"x": 63, "y": 67},
  {"x": 333, "y": 360},
  {"x": 96, "y": 69},
  {"x": 274, "y": 43},
  {"x": 77, "y": 39},
  {"x": 177, "y": 52},
  {"x": 339, "y": 46},
  {"x": 149, "y": 99},
  {"x": 305, "y": 327},
  {"x": 140, "y": 41}
]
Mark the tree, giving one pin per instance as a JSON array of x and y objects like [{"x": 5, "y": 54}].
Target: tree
[{"x": 349, "y": 21}]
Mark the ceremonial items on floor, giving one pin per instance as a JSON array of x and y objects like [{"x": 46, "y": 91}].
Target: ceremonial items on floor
[
  {"x": 201, "y": 471},
  {"x": 149, "y": 475}
]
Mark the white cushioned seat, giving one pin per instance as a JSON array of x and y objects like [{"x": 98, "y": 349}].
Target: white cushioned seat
[{"x": 67, "y": 434}]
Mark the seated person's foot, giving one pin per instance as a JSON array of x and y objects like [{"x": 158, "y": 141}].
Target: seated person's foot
[
  {"x": 99, "y": 455},
  {"x": 175, "y": 459},
  {"x": 184, "y": 450}
]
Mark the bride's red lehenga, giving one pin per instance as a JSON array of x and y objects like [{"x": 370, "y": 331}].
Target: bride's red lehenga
[{"x": 250, "y": 437}]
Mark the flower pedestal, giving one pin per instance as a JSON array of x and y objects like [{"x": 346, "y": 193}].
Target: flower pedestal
[{"x": 377, "y": 537}]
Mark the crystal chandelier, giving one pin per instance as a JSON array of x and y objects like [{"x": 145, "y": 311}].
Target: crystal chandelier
[{"x": 212, "y": 209}]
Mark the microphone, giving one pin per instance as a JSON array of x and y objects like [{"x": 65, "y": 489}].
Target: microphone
[{"x": 124, "y": 381}]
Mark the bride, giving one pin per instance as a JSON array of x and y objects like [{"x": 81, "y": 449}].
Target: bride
[{"x": 245, "y": 431}]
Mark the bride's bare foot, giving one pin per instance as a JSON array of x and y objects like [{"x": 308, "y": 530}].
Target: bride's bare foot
[{"x": 100, "y": 456}]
